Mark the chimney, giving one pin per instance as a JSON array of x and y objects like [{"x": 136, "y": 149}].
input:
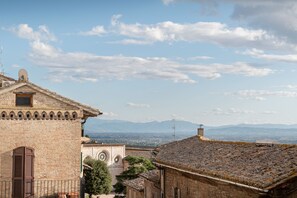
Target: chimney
[{"x": 200, "y": 131}]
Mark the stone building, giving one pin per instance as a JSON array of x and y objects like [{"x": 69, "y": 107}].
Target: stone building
[
  {"x": 147, "y": 185},
  {"x": 40, "y": 131},
  {"x": 197, "y": 167},
  {"x": 151, "y": 184},
  {"x": 134, "y": 188},
  {"x": 112, "y": 154}
]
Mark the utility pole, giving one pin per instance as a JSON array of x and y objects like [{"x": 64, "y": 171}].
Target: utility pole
[
  {"x": 1, "y": 64},
  {"x": 173, "y": 128}
]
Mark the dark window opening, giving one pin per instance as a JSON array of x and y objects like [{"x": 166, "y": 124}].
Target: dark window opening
[{"x": 25, "y": 100}]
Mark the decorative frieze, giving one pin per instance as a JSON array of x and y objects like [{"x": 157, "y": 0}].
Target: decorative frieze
[{"x": 38, "y": 115}]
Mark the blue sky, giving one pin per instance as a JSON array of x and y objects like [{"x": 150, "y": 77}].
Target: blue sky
[{"x": 211, "y": 62}]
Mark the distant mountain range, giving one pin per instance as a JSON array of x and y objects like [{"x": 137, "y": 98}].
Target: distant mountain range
[
  {"x": 242, "y": 132},
  {"x": 95, "y": 125},
  {"x": 120, "y": 126}
]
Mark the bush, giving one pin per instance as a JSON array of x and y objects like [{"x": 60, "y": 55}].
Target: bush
[
  {"x": 137, "y": 165},
  {"x": 97, "y": 180}
]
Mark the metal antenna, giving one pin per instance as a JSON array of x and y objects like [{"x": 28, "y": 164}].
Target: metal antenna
[
  {"x": 1, "y": 64},
  {"x": 173, "y": 128}
]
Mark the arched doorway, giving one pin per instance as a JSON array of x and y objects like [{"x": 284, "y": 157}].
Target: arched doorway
[{"x": 23, "y": 173}]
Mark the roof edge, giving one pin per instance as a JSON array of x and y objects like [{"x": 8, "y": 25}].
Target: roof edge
[{"x": 213, "y": 178}]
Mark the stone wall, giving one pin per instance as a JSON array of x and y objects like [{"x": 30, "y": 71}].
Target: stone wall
[
  {"x": 132, "y": 193},
  {"x": 191, "y": 186},
  {"x": 56, "y": 145},
  {"x": 40, "y": 100},
  {"x": 151, "y": 190},
  {"x": 115, "y": 154}
]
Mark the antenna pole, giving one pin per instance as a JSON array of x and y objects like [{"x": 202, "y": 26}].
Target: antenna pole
[
  {"x": 1, "y": 64},
  {"x": 173, "y": 129}
]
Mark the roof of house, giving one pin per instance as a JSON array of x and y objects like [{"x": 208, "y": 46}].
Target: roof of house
[
  {"x": 137, "y": 184},
  {"x": 152, "y": 175},
  {"x": 88, "y": 111},
  {"x": 254, "y": 164}
]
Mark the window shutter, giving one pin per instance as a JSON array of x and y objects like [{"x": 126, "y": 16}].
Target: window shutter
[
  {"x": 29, "y": 176},
  {"x": 23, "y": 177}
]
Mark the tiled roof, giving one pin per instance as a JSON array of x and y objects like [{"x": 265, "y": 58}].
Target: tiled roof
[
  {"x": 137, "y": 184},
  {"x": 253, "y": 164},
  {"x": 139, "y": 152},
  {"x": 152, "y": 175}
]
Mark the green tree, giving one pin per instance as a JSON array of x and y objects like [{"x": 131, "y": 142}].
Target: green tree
[
  {"x": 137, "y": 165},
  {"x": 97, "y": 179}
]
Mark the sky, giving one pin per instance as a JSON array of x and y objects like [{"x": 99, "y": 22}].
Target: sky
[{"x": 215, "y": 62}]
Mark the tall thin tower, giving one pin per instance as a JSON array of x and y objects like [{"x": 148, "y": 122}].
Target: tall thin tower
[
  {"x": 173, "y": 127},
  {"x": 1, "y": 64}
]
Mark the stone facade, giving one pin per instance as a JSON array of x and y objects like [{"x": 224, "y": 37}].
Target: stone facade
[
  {"x": 190, "y": 186},
  {"x": 134, "y": 188},
  {"x": 50, "y": 126},
  {"x": 151, "y": 190},
  {"x": 132, "y": 193},
  {"x": 114, "y": 154},
  {"x": 56, "y": 145}
]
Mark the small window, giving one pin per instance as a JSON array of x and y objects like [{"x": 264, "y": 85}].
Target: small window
[
  {"x": 24, "y": 100},
  {"x": 102, "y": 156},
  {"x": 117, "y": 159}
]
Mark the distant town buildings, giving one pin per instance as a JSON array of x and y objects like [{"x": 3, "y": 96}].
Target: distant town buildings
[{"x": 40, "y": 131}]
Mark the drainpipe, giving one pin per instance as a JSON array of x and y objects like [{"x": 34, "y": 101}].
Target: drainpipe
[{"x": 83, "y": 127}]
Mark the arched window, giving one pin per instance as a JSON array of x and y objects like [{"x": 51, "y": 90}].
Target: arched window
[
  {"x": 36, "y": 115},
  {"x": 74, "y": 115},
  {"x": 20, "y": 115},
  {"x": 12, "y": 115},
  {"x": 28, "y": 115},
  {"x": 66, "y": 115},
  {"x": 59, "y": 115},
  {"x": 44, "y": 115},
  {"x": 52, "y": 115},
  {"x": 3, "y": 115}
]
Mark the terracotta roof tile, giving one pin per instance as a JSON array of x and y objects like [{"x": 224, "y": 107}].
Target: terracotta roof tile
[
  {"x": 152, "y": 175},
  {"x": 137, "y": 184},
  {"x": 254, "y": 164}
]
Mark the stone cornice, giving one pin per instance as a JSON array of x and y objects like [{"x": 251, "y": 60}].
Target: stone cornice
[{"x": 17, "y": 114}]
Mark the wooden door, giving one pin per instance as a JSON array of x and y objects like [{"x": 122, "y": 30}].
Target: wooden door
[{"x": 23, "y": 173}]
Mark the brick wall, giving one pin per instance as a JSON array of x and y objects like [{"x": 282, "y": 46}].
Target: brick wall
[
  {"x": 132, "y": 193},
  {"x": 56, "y": 144},
  {"x": 40, "y": 100},
  {"x": 151, "y": 190},
  {"x": 195, "y": 187}
]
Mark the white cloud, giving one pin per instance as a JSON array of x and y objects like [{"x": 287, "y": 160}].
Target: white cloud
[
  {"x": 271, "y": 57},
  {"x": 262, "y": 94},
  {"x": 95, "y": 31},
  {"x": 231, "y": 111},
  {"x": 110, "y": 114},
  {"x": 200, "y": 58},
  {"x": 26, "y": 32},
  {"x": 15, "y": 66},
  {"x": 269, "y": 112},
  {"x": 276, "y": 17},
  {"x": 213, "y": 32},
  {"x": 135, "y": 105},
  {"x": 90, "y": 67}
]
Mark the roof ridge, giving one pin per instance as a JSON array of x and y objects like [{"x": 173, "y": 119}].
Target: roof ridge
[{"x": 56, "y": 95}]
